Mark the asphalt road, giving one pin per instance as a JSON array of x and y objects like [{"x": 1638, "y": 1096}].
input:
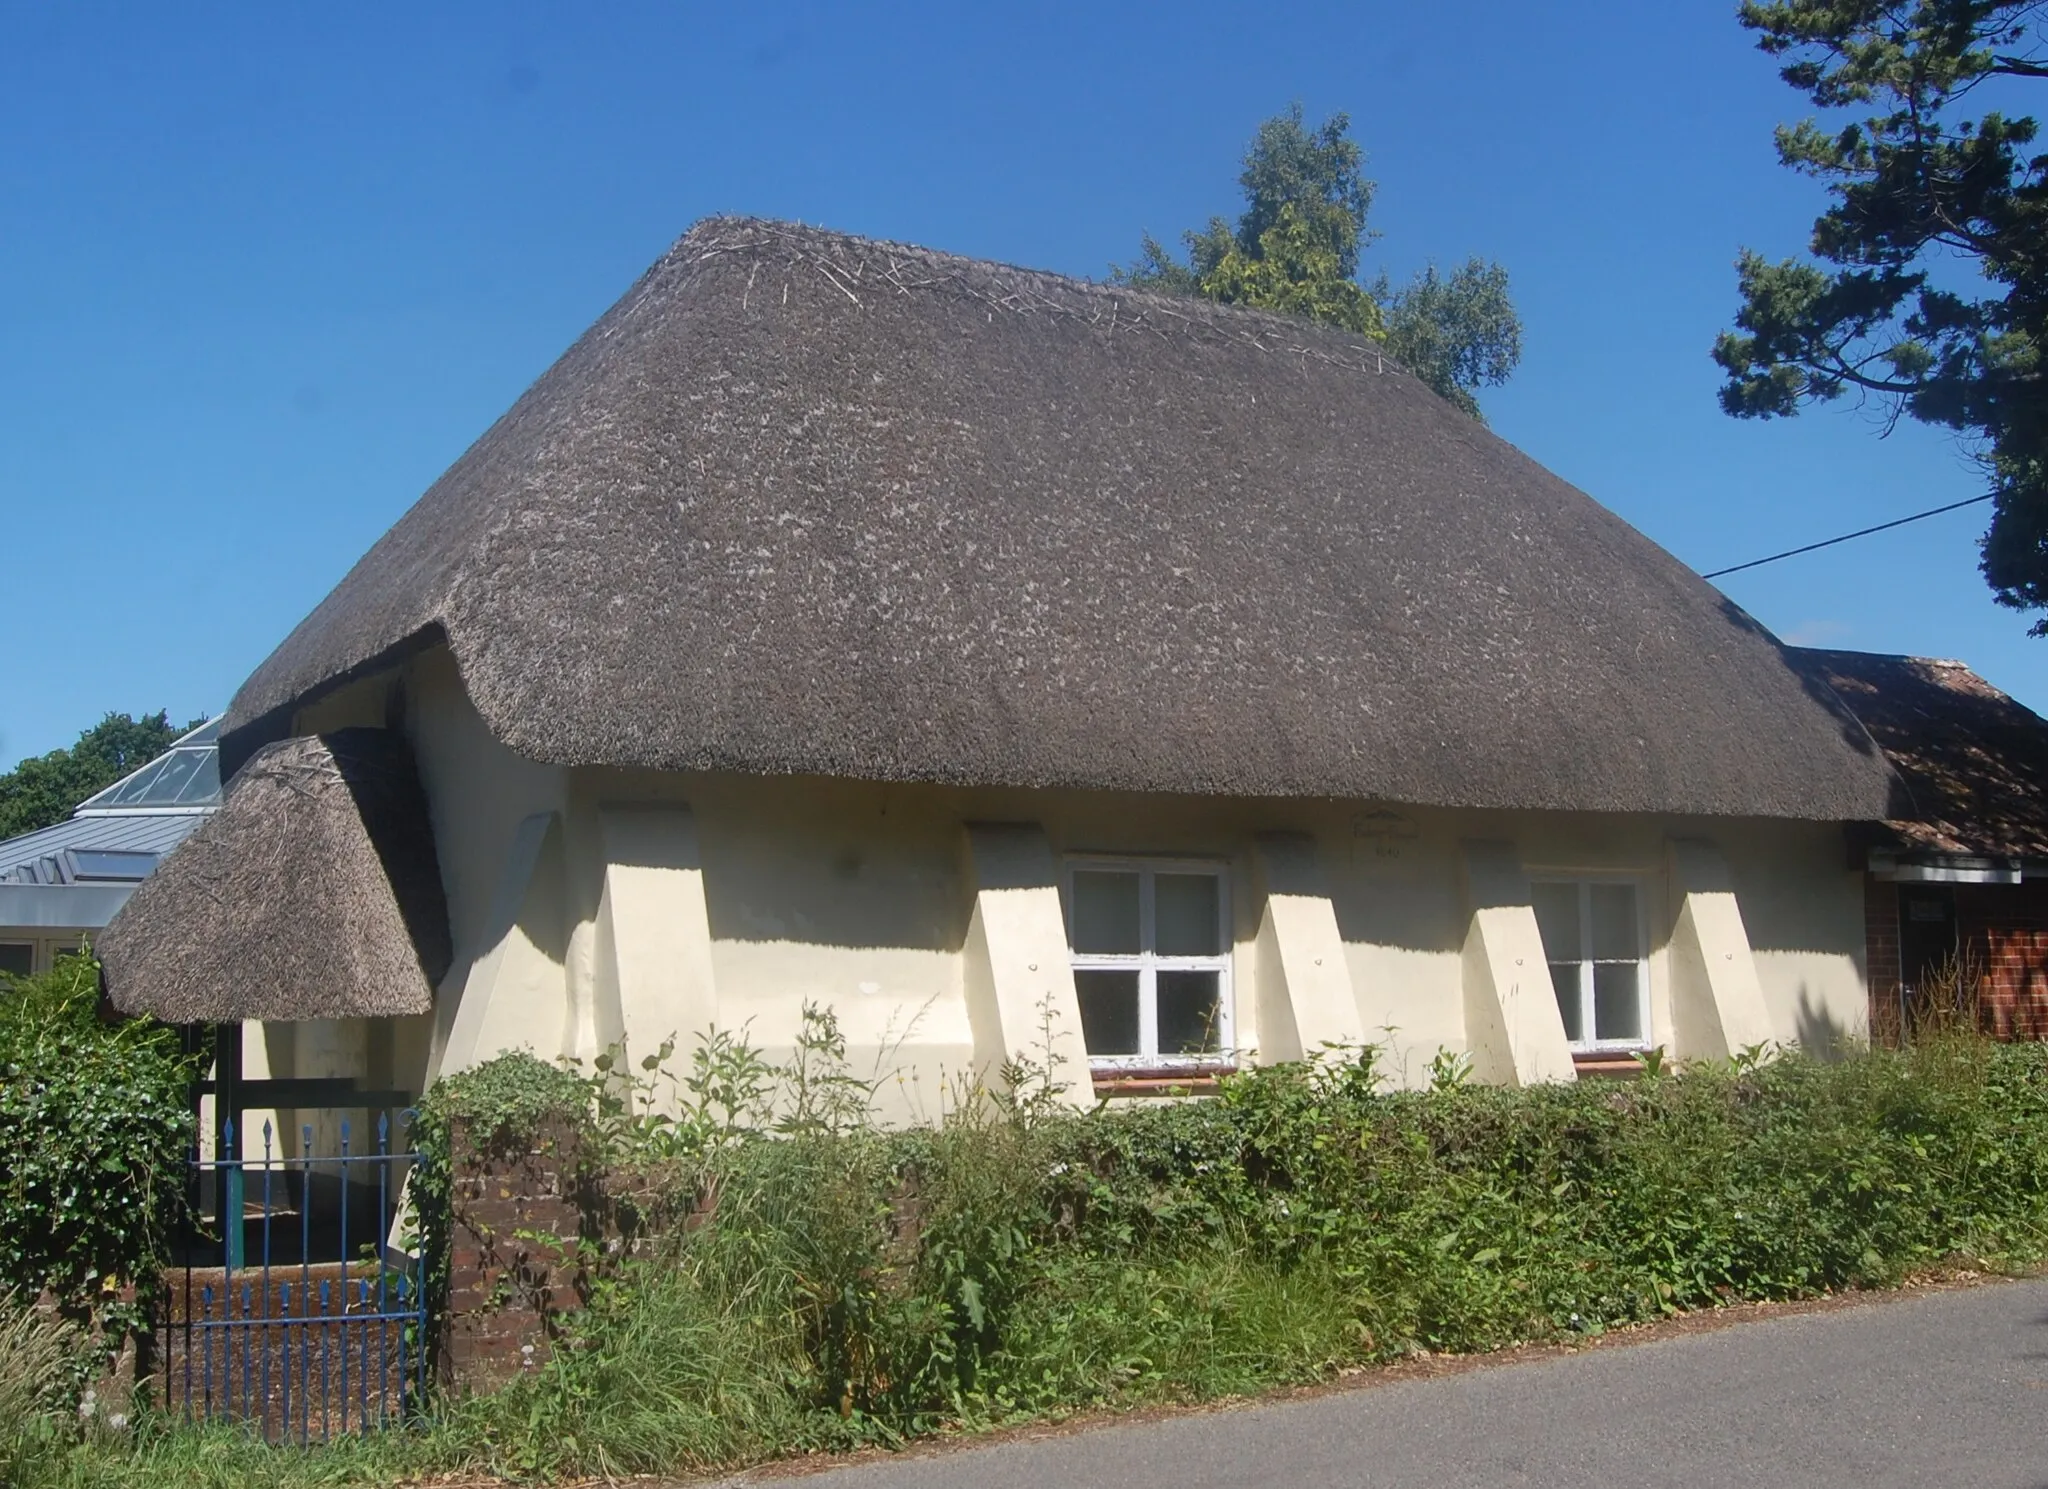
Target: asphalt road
[{"x": 1946, "y": 1388}]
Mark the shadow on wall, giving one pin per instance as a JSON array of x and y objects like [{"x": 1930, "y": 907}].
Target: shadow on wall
[
  {"x": 1426, "y": 913},
  {"x": 1390, "y": 888},
  {"x": 546, "y": 913},
  {"x": 856, "y": 896},
  {"x": 1821, "y": 1035}
]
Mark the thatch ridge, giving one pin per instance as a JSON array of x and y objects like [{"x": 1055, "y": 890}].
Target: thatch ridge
[
  {"x": 812, "y": 504},
  {"x": 852, "y": 265},
  {"x": 314, "y": 892}
]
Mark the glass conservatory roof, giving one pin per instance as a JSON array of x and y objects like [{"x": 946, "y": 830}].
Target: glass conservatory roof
[{"x": 186, "y": 777}]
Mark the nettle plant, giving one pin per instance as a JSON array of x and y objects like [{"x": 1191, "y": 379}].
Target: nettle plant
[
  {"x": 651, "y": 1111},
  {"x": 623, "y": 1115}
]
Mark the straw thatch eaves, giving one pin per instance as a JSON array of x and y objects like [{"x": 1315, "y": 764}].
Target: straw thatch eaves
[
  {"x": 313, "y": 893},
  {"x": 1974, "y": 760},
  {"x": 812, "y": 504}
]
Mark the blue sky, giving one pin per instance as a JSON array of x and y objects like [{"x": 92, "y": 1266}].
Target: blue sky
[{"x": 265, "y": 270}]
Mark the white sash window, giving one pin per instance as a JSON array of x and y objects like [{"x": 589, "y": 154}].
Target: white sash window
[
  {"x": 1151, "y": 959},
  {"x": 1593, "y": 939}
]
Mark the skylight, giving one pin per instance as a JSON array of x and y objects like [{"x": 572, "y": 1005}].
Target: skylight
[
  {"x": 109, "y": 864},
  {"x": 186, "y": 776}
]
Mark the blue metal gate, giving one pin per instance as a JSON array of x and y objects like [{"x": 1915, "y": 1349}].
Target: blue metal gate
[{"x": 297, "y": 1314}]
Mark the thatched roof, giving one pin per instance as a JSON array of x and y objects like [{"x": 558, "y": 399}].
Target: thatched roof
[
  {"x": 804, "y": 503},
  {"x": 313, "y": 893},
  {"x": 1974, "y": 761}
]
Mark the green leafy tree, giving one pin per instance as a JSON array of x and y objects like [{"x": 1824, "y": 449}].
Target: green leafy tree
[
  {"x": 1927, "y": 286},
  {"x": 1296, "y": 249},
  {"x": 1293, "y": 268},
  {"x": 44, "y": 789}
]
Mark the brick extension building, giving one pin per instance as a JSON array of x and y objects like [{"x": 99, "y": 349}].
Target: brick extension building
[{"x": 1965, "y": 881}]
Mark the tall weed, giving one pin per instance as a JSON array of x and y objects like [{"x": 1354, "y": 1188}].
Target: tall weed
[{"x": 37, "y": 1355}]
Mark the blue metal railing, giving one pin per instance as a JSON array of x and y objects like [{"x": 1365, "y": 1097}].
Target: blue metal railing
[{"x": 325, "y": 1331}]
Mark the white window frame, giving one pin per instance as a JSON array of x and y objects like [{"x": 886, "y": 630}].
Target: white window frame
[
  {"x": 1583, "y": 883},
  {"x": 1148, "y": 964}
]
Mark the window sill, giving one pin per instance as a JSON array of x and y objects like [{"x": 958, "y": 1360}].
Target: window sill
[
  {"x": 1121, "y": 1083},
  {"x": 1607, "y": 1064}
]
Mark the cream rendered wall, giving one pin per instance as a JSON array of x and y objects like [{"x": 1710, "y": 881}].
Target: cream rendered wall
[
  {"x": 509, "y": 907},
  {"x": 863, "y": 898},
  {"x": 1303, "y": 1003},
  {"x": 315, "y": 1048},
  {"x": 845, "y": 896},
  {"x": 1799, "y": 905},
  {"x": 501, "y": 833},
  {"x": 514, "y": 989},
  {"x": 1514, "y": 1033},
  {"x": 1017, "y": 977},
  {"x": 1802, "y": 906},
  {"x": 652, "y": 981},
  {"x": 1404, "y": 924}
]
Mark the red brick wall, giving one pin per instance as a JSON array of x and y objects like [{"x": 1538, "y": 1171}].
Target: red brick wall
[
  {"x": 2004, "y": 927},
  {"x": 1881, "y": 946},
  {"x": 2001, "y": 930},
  {"x": 514, "y": 1221},
  {"x": 530, "y": 1233}
]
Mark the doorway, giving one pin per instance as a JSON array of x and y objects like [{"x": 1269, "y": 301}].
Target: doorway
[{"x": 1927, "y": 937}]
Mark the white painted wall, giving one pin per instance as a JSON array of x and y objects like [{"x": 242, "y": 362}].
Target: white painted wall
[{"x": 740, "y": 898}]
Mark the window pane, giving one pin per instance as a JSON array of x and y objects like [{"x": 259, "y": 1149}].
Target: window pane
[
  {"x": 1614, "y": 923},
  {"x": 112, "y": 863},
  {"x": 138, "y": 788},
  {"x": 179, "y": 767},
  {"x": 1185, "y": 914},
  {"x": 1105, "y": 911},
  {"x": 205, "y": 783},
  {"x": 1564, "y": 977},
  {"x": 1617, "y": 1000},
  {"x": 17, "y": 958},
  {"x": 1190, "y": 1013},
  {"x": 1557, "y": 917},
  {"x": 1109, "y": 1011}
]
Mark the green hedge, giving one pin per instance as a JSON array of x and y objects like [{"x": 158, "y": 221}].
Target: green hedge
[
  {"x": 852, "y": 1286},
  {"x": 94, "y": 1131},
  {"x": 858, "y": 1286}
]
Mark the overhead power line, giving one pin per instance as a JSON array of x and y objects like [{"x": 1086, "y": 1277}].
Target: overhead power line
[{"x": 1970, "y": 501}]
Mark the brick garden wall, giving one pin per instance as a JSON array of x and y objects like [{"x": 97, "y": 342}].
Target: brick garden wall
[
  {"x": 530, "y": 1232},
  {"x": 513, "y": 1271}
]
